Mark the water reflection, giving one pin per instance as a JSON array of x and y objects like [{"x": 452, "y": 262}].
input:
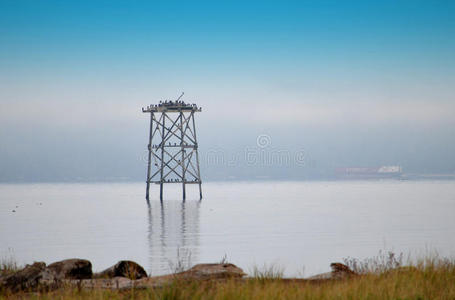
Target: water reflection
[{"x": 173, "y": 235}]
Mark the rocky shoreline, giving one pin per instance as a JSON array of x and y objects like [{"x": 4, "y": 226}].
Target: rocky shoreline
[{"x": 128, "y": 274}]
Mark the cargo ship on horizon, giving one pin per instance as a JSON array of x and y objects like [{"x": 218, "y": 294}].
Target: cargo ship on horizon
[{"x": 394, "y": 172}]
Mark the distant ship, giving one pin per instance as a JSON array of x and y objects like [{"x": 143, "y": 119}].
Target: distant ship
[{"x": 370, "y": 173}]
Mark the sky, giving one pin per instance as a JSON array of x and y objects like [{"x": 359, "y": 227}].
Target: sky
[{"x": 328, "y": 84}]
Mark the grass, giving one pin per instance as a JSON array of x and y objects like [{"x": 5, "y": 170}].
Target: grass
[
  {"x": 383, "y": 262},
  {"x": 183, "y": 261},
  {"x": 267, "y": 272},
  {"x": 430, "y": 278},
  {"x": 8, "y": 265}
]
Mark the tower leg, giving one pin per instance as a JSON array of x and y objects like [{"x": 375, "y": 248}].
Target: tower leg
[
  {"x": 149, "y": 161},
  {"x": 182, "y": 149},
  {"x": 161, "y": 191},
  {"x": 197, "y": 158},
  {"x": 147, "y": 192},
  {"x": 163, "y": 137}
]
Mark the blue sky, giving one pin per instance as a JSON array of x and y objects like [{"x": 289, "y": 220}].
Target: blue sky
[
  {"x": 359, "y": 83},
  {"x": 162, "y": 34}
]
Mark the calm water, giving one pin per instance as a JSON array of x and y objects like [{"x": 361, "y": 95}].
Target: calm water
[{"x": 301, "y": 226}]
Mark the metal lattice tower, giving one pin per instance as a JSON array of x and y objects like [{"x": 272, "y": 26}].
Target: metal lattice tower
[{"x": 172, "y": 150}]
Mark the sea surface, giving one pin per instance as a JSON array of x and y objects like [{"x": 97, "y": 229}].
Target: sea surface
[{"x": 299, "y": 227}]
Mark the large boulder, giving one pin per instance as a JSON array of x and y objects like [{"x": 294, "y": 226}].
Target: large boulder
[
  {"x": 212, "y": 271},
  {"x": 26, "y": 279},
  {"x": 74, "y": 268},
  {"x": 198, "y": 272},
  {"x": 124, "y": 268}
]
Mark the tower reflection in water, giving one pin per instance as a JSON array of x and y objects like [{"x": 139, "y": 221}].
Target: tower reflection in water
[{"x": 173, "y": 235}]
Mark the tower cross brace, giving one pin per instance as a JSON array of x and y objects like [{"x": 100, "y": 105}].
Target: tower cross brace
[{"x": 172, "y": 149}]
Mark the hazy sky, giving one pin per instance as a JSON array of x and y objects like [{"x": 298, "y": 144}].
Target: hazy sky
[{"x": 346, "y": 83}]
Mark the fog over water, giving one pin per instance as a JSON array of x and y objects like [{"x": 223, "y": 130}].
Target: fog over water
[{"x": 348, "y": 84}]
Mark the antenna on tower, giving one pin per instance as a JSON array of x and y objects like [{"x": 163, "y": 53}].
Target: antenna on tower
[{"x": 183, "y": 93}]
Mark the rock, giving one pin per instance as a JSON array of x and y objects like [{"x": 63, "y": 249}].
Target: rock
[
  {"x": 212, "y": 271},
  {"x": 198, "y": 272},
  {"x": 26, "y": 279},
  {"x": 70, "y": 269},
  {"x": 78, "y": 273},
  {"x": 339, "y": 271},
  {"x": 49, "y": 278},
  {"x": 116, "y": 283},
  {"x": 320, "y": 277},
  {"x": 124, "y": 268}
]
